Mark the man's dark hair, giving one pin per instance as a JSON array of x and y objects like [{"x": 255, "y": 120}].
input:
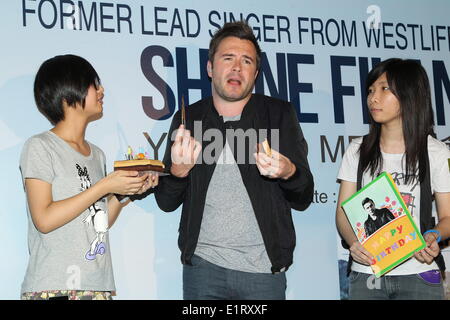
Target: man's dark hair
[
  {"x": 63, "y": 78},
  {"x": 238, "y": 29},
  {"x": 366, "y": 200}
]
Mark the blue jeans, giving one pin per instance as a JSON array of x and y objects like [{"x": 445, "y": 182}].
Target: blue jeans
[
  {"x": 408, "y": 287},
  {"x": 206, "y": 281}
]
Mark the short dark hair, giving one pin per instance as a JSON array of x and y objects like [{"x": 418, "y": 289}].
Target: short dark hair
[
  {"x": 238, "y": 29},
  {"x": 63, "y": 78},
  {"x": 367, "y": 200}
]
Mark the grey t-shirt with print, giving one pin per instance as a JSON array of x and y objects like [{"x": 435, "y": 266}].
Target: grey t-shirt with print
[{"x": 75, "y": 256}]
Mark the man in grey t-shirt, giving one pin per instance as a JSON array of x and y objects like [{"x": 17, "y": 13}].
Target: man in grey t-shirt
[{"x": 236, "y": 233}]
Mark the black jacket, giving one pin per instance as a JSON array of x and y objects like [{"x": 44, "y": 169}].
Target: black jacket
[
  {"x": 271, "y": 199},
  {"x": 383, "y": 216}
]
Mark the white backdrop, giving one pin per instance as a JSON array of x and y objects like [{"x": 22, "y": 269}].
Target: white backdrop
[{"x": 316, "y": 55}]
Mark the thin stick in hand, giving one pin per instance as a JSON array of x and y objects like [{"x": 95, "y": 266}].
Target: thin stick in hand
[
  {"x": 183, "y": 112},
  {"x": 267, "y": 148}
]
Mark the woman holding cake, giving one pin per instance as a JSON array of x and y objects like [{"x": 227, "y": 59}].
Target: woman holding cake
[{"x": 70, "y": 198}]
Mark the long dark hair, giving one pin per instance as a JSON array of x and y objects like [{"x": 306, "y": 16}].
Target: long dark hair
[{"x": 408, "y": 81}]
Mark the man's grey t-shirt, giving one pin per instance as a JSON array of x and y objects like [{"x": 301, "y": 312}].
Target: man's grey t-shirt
[
  {"x": 76, "y": 256},
  {"x": 229, "y": 234}
]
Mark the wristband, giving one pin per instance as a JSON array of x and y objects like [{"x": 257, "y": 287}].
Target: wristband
[{"x": 438, "y": 239}]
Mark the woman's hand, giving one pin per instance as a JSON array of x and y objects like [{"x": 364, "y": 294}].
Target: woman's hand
[
  {"x": 151, "y": 182},
  {"x": 360, "y": 254},
  {"x": 124, "y": 182},
  {"x": 430, "y": 252}
]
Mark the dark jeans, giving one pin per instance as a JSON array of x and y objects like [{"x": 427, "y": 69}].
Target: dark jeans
[
  {"x": 408, "y": 287},
  {"x": 206, "y": 281}
]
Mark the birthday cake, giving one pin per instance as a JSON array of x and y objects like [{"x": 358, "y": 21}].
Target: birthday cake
[
  {"x": 139, "y": 165},
  {"x": 138, "y": 162}
]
